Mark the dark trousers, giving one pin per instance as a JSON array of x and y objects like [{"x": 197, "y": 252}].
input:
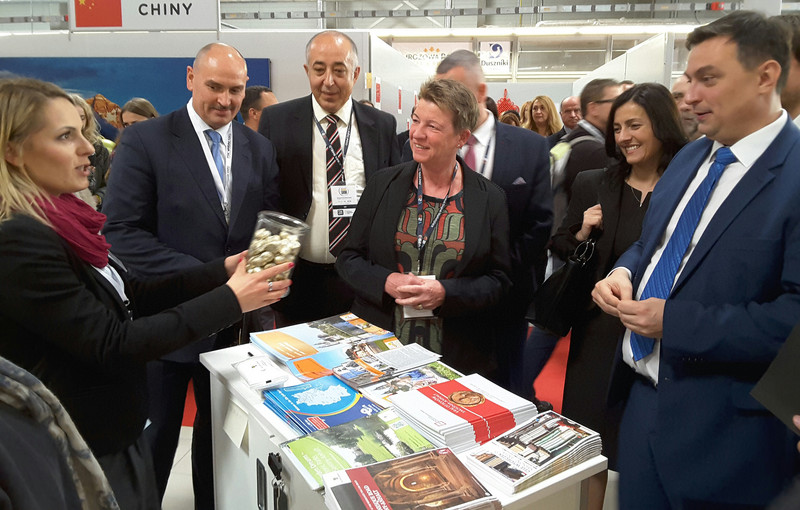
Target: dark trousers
[
  {"x": 316, "y": 292},
  {"x": 639, "y": 483},
  {"x": 167, "y": 383}
]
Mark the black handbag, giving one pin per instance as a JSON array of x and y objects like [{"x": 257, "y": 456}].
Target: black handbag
[{"x": 562, "y": 296}]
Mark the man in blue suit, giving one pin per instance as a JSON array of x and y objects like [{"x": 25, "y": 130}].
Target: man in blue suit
[
  {"x": 517, "y": 160},
  {"x": 187, "y": 189},
  {"x": 712, "y": 288}
]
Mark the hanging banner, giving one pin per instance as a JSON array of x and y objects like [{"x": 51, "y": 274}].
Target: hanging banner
[
  {"x": 118, "y": 15},
  {"x": 496, "y": 57}
]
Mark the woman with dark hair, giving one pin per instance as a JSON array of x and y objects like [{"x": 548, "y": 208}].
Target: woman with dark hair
[{"x": 643, "y": 134}]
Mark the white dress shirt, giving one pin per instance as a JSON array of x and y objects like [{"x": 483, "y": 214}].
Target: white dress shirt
[
  {"x": 747, "y": 151},
  {"x": 316, "y": 247},
  {"x": 226, "y": 149},
  {"x": 486, "y": 136}
]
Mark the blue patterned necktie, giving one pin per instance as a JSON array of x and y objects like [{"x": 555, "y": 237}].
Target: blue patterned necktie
[
  {"x": 216, "y": 140},
  {"x": 660, "y": 283}
]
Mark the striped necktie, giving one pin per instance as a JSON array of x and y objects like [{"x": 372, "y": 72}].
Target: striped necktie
[{"x": 337, "y": 226}]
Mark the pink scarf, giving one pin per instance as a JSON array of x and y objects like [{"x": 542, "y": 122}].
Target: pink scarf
[{"x": 79, "y": 225}]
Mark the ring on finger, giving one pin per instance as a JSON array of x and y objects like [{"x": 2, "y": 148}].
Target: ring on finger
[{"x": 269, "y": 286}]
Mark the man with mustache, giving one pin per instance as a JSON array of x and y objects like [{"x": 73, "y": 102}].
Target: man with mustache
[
  {"x": 328, "y": 147},
  {"x": 187, "y": 189}
]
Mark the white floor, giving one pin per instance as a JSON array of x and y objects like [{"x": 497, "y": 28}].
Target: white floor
[{"x": 179, "y": 494}]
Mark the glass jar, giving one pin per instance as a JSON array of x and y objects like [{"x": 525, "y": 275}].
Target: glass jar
[{"x": 277, "y": 239}]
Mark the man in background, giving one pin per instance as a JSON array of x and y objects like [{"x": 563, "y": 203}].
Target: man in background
[
  {"x": 187, "y": 189},
  {"x": 570, "y": 115},
  {"x": 590, "y": 151},
  {"x": 328, "y": 146},
  {"x": 790, "y": 96},
  {"x": 256, "y": 98},
  {"x": 688, "y": 117}
]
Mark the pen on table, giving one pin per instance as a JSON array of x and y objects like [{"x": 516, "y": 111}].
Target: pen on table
[{"x": 250, "y": 354}]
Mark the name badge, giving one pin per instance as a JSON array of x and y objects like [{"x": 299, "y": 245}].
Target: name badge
[
  {"x": 409, "y": 312},
  {"x": 342, "y": 196}
]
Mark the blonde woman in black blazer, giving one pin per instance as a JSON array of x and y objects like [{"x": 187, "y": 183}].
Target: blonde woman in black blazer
[{"x": 69, "y": 312}]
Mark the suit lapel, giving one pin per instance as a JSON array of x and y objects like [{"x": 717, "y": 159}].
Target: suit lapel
[
  {"x": 501, "y": 150},
  {"x": 394, "y": 199},
  {"x": 241, "y": 166},
  {"x": 302, "y": 121},
  {"x": 756, "y": 178},
  {"x": 368, "y": 132},
  {"x": 187, "y": 146}
]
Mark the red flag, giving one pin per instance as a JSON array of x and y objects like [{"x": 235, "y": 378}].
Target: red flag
[{"x": 98, "y": 13}]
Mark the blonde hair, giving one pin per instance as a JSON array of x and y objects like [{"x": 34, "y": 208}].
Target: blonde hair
[
  {"x": 22, "y": 105},
  {"x": 553, "y": 118},
  {"x": 525, "y": 117},
  {"x": 91, "y": 130}
]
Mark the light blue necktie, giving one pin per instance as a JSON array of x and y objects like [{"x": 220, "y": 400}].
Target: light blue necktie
[
  {"x": 660, "y": 283},
  {"x": 216, "y": 140}
]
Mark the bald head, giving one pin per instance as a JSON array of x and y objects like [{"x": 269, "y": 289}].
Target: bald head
[
  {"x": 464, "y": 66},
  {"x": 217, "y": 80}
]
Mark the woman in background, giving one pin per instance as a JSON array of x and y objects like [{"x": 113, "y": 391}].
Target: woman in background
[
  {"x": 99, "y": 161},
  {"x": 69, "y": 312},
  {"x": 544, "y": 118},
  {"x": 136, "y": 110},
  {"x": 644, "y": 134}
]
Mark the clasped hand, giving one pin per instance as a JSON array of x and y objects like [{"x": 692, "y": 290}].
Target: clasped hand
[
  {"x": 614, "y": 295},
  {"x": 255, "y": 290},
  {"x": 410, "y": 290}
]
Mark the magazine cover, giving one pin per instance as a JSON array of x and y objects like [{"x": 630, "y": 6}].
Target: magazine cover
[
  {"x": 371, "y": 439},
  {"x": 432, "y": 479},
  {"x": 542, "y": 447},
  {"x": 323, "y": 362},
  {"x": 464, "y": 411},
  {"x": 301, "y": 340},
  {"x": 432, "y": 373},
  {"x": 318, "y": 404}
]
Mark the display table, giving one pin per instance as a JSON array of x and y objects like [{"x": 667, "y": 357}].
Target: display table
[{"x": 245, "y": 432}]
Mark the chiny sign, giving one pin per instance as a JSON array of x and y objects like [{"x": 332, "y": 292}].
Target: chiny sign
[
  {"x": 496, "y": 57},
  {"x": 88, "y": 15}
]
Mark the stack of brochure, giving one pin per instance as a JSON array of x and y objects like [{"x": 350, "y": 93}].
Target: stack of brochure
[
  {"x": 433, "y": 373},
  {"x": 307, "y": 339},
  {"x": 432, "y": 479},
  {"x": 368, "y": 440},
  {"x": 318, "y": 404},
  {"x": 534, "y": 451},
  {"x": 463, "y": 413},
  {"x": 380, "y": 366}
]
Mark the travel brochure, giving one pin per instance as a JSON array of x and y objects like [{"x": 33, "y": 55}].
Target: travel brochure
[
  {"x": 372, "y": 412},
  {"x": 464, "y": 412},
  {"x": 545, "y": 446},
  {"x": 432, "y": 479},
  {"x": 378, "y": 437}
]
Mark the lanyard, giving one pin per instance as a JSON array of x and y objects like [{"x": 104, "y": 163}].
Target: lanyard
[
  {"x": 328, "y": 142},
  {"x": 224, "y": 188},
  {"x": 486, "y": 155},
  {"x": 422, "y": 241}
]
